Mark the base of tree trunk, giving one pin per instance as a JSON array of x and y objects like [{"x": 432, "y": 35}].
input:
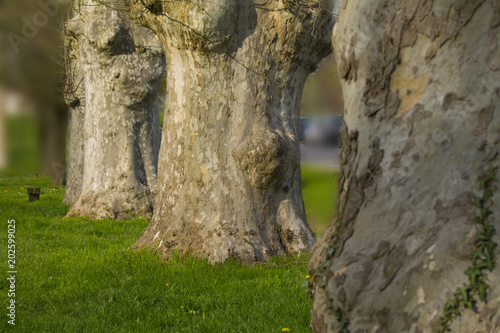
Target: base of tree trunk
[{"x": 114, "y": 203}]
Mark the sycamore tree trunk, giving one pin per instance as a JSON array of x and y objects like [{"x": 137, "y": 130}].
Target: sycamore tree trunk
[
  {"x": 123, "y": 67},
  {"x": 229, "y": 171},
  {"x": 421, "y": 81},
  {"x": 75, "y": 99}
]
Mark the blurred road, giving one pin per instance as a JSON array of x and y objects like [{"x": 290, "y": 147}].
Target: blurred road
[{"x": 322, "y": 156}]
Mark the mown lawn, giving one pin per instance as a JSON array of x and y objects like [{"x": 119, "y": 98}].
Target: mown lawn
[
  {"x": 319, "y": 189},
  {"x": 76, "y": 275}
]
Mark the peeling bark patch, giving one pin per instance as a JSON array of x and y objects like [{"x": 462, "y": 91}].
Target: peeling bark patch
[
  {"x": 383, "y": 316},
  {"x": 348, "y": 65},
  {"x": 418, "y": 113},
  {"x": 460, "y": 206},
  {"x": 483, "y": 120},
  {"x": 495, "y": 19},
  {"x": 391, "y": 105},
  {"x": 357, "y": 190},
  {"x": 377, "y": 81},
  {"x": 404, "y": 80},
  {"x": 449, "y": 98},
  {"x": 392, "y": 265}
]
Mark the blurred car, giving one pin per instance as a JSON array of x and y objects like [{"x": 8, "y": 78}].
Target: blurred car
[
  {"x": 304, "y": 121},
  {"x": 323, "y": 130}
]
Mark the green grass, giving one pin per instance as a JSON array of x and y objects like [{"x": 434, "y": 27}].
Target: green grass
[
  {"x": 319, "y": 190},
  {"x": 162, "y": 118},
  {"x": 22, "y": 147},
  {"x": 81, "y": 276},
  {"x": 76, "y": 275}
]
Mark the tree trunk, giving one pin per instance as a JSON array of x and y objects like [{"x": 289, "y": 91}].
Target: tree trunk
[
  {"x": 53, "y": 122},
  {"x": 229, "y": 172},
  {"x": 124, "y": 67},
  {"x": 3, "y": 135},
  {"x": 75, "y": 99},
  {"x": 421, "y": 83}
]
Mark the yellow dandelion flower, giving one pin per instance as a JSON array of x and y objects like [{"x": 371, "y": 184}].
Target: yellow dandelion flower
[
  {"x": 286, "y": 329},
  {"x": 182, "y": 306},
  {"x": 308, "y": 276},
  {"x": 192, "y": 312}
]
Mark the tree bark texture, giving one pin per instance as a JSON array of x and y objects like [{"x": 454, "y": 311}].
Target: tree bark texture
[
  {"x": 421, "y": 83},
  {"x": 229, "y": 175},
  {"x": 123, "y": 67},
  {"x": 75, "y": 99}
]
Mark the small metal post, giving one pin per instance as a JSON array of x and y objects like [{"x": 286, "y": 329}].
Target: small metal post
[{"x": 34, "y": 193}]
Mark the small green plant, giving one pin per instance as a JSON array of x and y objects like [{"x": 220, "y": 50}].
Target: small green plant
[
  {"x": 482, "y": 257},
  {"x": 319, "y": 278},
  {"x": 343, "y": 322}
]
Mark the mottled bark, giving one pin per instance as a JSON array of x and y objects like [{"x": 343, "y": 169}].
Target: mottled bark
[
  {"x": 421, "y": 82},
  {"x": 75, "y": 99},
  {"x": 229, "y": 173},
  {"x": 123, "y": 67}
]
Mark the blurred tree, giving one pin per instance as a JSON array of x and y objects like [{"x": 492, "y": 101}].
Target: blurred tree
[
  {"x": 34, "y": 62},
  {"x": 3, "y": 45},
  {"x": 75, "y": 99},
  {"x": 322, "y": 92},
  {"x": 409, "y": 250},
  {"x": 3, "y": 145},
  {"x": 122, "y": 66},
  {"x": 229, "y": 169}
]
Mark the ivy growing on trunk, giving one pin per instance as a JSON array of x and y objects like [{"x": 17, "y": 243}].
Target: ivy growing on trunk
[{"x": 482, "y": 258}]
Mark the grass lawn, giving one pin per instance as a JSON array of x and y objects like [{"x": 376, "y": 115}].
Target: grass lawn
[
  {"x": 76, "y": 275},
  {"x": 319, "y": 189}
]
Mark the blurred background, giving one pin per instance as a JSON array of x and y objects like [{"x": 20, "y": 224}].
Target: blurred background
[{"x": 34, "y": 116}]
